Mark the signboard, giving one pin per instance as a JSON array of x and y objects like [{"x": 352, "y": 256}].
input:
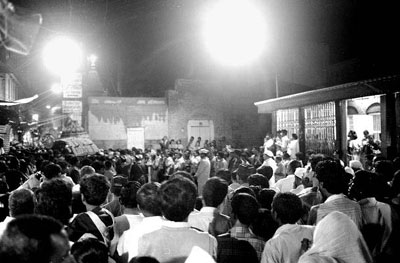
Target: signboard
[
  {"x": 72, "y": 86},
  {"x": 71, "y": 106}
]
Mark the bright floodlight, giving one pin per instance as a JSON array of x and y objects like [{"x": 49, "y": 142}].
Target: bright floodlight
[
  {"x": 235, "y": 32},
  {"x": 62, "y": 56}
]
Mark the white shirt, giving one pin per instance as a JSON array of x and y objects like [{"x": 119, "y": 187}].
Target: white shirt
[
  {"x": 128, "y": 242},
  {"x": 3, "y": 225},
  {"x": 285, "y": 184},
  {"x": 202, "y": 219},
  {"x": 285, "y": 245}
]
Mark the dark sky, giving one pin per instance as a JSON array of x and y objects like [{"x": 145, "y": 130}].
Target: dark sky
[{"x": 147, "y": 44}]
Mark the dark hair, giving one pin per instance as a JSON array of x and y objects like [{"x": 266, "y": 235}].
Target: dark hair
[
  {"x": 148, "y": 199},
  {"x": 265, "y": 197},
  {"x": 288, "y": 207},
  {"x": 292, "y": 166},
  {"x": 294, "y": 136},
  {"x": 90, "y": 250},
  {"x": 225, "y": 174},
  {"x": 30, "y": 238},
  {"x": 178, "y": 197},
  {"x": 258, "y": 180},
  {"x": 214, "y": 191},
  {"x": 331, "y": 174},
  {"x": 385, "y": 169},
  {"x": 245, "y": 208},
  {"x": 266, "y": 171},
  {"x": 52, "y": 170},
  {"x": 128, "y": 194},
  {"x": 95, "y": 189},
  {"x": 54, "y": 199},
  {"x": 364, "y": 185},
  {"x": 20, "y": 202},
  {"x": 143, "y": 259},
  {"x": 98, "y": 166},
  {"x": 87, "y": 170},
  {"x": 315, "y": 159}
]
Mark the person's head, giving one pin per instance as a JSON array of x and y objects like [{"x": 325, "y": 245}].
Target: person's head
[
  {"x": 178, "y": 198},
  {"x": 356, "y": 165},
  {"x": 108, "y": 164},
  {"x": 267, "y": 171},
  {"x": 20, "y": 202},
  {"x": 315, "y": 159},
  {"x": 244, "y": 208},
  {"x": 34, "y": 238},
  {"x": 128, "y": 194},
  {"x": 148, "y": 199},
  {"x": 87, "y": 170},
  {"x": 214, "y": 191},
  {"x": 117, "y": 182},
  {"x": 90, "y": 250},
  {"x": 258, "y": 180},
  {"x": 54, "y": 199},
  {"x": 294, "y": 136},
  {"x": 385, "y": 169},
  {"x": 243, "y": 172},
  {"x": 366, "y": 133},
  {"x": 64, "y": 166},
  {"x": 94, "y": 189},
  {"x": 352, "y": 135},
  {"x": 225, "y": 174},
  {"x": 265, "y": 197},
  {"x": 52, "y": 170},
  {"x": 292, "y": 166},
  {"x": 98, "y": 166},
  {"x": 284, "y": 132},
  {"x": 364, "y": 185},
  {"x": 330, "y": 175},
  {"x": 287, "y": 208}
]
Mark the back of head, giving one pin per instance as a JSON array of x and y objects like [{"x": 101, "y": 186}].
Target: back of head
[
  {"x": 117, "y": 182},
  {"x": 245, "y": 208},
  {"x": 315, "y": 159},
  {"x": 20, "y": 202},
  {"x": 52, "y": 170},
  {"x": 33, "y": 238},
  {"x": 226, "y": 175},
  {"x": 90, "y": 250},
  {"x": 178, "y": 197},
  {"x": 87, "y": 170},
  {"x": 98, "y": 166},
  {"x": 258, "y": 180},
  {"x": 94, "y": 189},
  {"x": 148, "y": 199},
  {"x": 267, "y": 171},
  {"x": 287, "y": 207},
  {"x": 128, "y": 194},
  {"x": 214, "y": 191},
  {"x": 331, "y": 174},
  {"x": 54, "y": 199},
  {"x": 385, "y": 169},
  {"x": 292, "y": 166},
  {"x": 265, "y": 197}
]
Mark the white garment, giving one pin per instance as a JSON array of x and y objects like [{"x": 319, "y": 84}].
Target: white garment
[
  {"x": 293, "y": 148},
  {"x": 202, "y": 174},
  {"x": 128, "y": 242},
  {"x": 202, "y": 219},
  {"x": 3, "y": 225},
  {"x": 285, "y": 245},
  {"x": 285, "y": 184}
]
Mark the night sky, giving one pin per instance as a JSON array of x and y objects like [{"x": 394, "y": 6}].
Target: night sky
[{"x": 147, "y": 44}]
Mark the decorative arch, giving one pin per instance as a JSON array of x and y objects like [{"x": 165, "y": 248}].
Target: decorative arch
[
  {"x": 351, "y": 110},
  {"x": 374, "y": 108}
]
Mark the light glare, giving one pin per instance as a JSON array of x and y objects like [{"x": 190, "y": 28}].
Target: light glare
[
  {"x": 62, "y": 56},
  {"x": 235, "y": 32}
]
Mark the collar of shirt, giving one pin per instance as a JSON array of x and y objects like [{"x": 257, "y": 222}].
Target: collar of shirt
[
  {"x": 334, "y": 197},
  {"x": 208, "y": 209},
  {"x": 241, "y": 232},
  {"x": 172, "y": 224}
]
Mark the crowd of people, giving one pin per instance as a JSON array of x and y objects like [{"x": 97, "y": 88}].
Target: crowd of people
[{"x": 198, "y": 202}]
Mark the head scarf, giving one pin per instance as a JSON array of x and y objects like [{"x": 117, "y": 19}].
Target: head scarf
[{"x": 337, "y": 239}]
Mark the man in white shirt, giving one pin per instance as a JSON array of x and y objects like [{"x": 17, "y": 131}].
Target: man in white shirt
[
  {"x": 286, "y": 184},
  {"x": 149, "y": 204},
  {"x": 290, "y": 239}
]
